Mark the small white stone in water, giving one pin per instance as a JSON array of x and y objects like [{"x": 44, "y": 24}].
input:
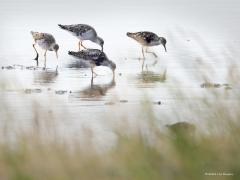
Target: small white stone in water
[
  {"x": 158, "y": 103},
  {"x": 28, "y": 91},
  {"x": 109, "y": 103},
  {"x": 60, "y": 92}
]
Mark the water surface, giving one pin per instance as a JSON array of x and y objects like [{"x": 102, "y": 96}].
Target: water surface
[{"x": 203, "y": 42}]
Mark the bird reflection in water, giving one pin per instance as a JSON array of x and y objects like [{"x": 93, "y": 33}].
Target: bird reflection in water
[
  {"x": 95, "y": 91},
  {"x": 76, "y": 64},
  {"x": 152, "y": 77},
  {"x": 147, "y": 65},
  {"x": 45, "y": 77}
]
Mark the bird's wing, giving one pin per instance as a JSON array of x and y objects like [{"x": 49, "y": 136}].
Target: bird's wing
[
  {"x": 49, "y": 38},
  {"x": 94, "y": 55},
  {"x": 89, "y": 54},
  {"x": 101, "y": 58},
  {"x": 43, "y": 36},
  {"x": 80, "y": 29},
  {"x": 148, "y": 36}
]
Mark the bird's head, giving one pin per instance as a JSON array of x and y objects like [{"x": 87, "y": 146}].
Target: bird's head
[
  {"x": 56, "y": 48},
  {"x": 129, "y": 34},
  {"x": 163, "y": 41},
  {"x": 100, "y": 41}
]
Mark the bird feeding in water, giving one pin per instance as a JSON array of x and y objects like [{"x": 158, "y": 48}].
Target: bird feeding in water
[
  {"x": 83, "y": 32},
  {"x": 148, "y": 39},
  {"x": 47, "y": 42},
  {"x": 94, "y": 57}
]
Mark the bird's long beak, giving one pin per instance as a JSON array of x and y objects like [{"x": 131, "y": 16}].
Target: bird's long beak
[
  {"x": 113, "y": 73},
  {"x": 57, "y": 54},
  {"x": 165, "y": 48}
]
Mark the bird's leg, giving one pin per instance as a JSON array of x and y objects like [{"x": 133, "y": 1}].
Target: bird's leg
[
  {"x": 147, "y": 67},
  {"x": 155, "y": 62},
  {"x": 93, "y": 73},
  {"x": 45, "y": 58},
  {"x": 56, "y": 70},
  {"x": 36, "y": 58},
  {"x": 143, "y": 64},
  {"x": 92, "y": 81},
  {"x": 79, "y": 45},
  {"x": 143, "y": 52},
  {"x": 153, "y": 53},
  {"x": 57, "y": 58},
  {"x": 83, "y": 46}
]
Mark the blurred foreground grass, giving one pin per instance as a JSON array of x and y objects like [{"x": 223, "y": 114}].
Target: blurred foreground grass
[{"x": 181, "y": 151}]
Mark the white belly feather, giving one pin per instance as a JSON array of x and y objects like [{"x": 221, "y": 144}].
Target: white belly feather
[
  {"x": 89, "y": 35},
  {"x": 42, "y": 43}
]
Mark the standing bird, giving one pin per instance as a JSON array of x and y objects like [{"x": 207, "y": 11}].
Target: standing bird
[
  {"x": 94, "y": 57},
  {"x": 148, "y": 39},
  {"x": 83, "y": 32},
  {"x": 45, "y": 41}
]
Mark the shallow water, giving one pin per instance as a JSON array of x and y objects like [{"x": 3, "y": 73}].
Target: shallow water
[{"x": 201, "y": 44}]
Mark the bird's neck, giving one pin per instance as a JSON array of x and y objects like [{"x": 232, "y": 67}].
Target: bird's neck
[{"x": 97, "y": 40}]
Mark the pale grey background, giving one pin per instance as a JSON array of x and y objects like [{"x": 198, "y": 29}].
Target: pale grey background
[{"x": 113, "y": 18}]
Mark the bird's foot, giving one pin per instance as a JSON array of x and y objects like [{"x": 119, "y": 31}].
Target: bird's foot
[
  {"x": 36, "y": 58},
  {"x": 84, "y": 47}
]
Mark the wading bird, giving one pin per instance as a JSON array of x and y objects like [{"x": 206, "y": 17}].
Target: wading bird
[
  {"x": 83, "y": 32},
  {"x": 94, "y": 57},
  {"x": 148, "y": 39},
  {"x": 45, "y": 41}
]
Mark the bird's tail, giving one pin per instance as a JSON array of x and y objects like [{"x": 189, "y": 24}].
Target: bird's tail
[
  {"x": 35, "y": 35},
  {"x": 129, "y": 34},
  {"x": 63, "y": 26},
  {"x": 75, "y": 54},
  {"x": 71, "y": 53}
]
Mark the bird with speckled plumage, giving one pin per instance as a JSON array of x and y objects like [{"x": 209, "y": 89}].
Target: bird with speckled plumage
[
  {"x": 83, "y": 32},
  {"x": 94, "y": 57},
  {"x": 148, "y": 39},
  {"x": 47, "y": 42}
]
